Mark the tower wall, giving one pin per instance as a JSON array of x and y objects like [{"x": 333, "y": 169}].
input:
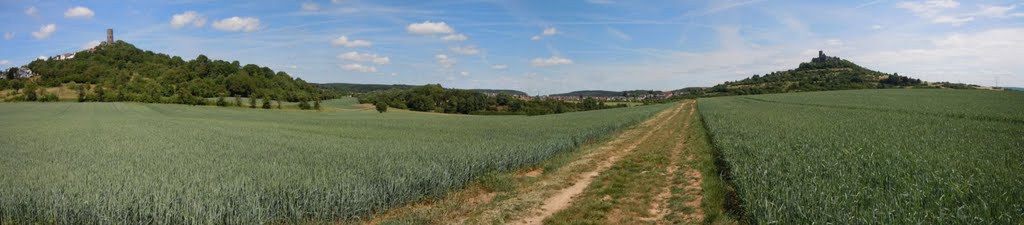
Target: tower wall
[{"x": 110, "y": 36}]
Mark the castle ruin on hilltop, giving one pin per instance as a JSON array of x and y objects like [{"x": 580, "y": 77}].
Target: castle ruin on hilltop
[
  {"x": 110, "y": 36},
  {"x": 823, "y": 58}
]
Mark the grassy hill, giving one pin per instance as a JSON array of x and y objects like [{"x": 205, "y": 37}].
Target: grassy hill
[{"x": 822, "y": 73}]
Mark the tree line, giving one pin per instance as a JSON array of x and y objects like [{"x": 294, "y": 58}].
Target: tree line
[{"x": 435, "y": 98}]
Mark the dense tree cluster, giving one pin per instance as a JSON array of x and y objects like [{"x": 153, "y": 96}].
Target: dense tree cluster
[
  {"x": 122, "y": 72},
  {"x": 434, "y": 98},
  {"x": 897, "y": 80}
]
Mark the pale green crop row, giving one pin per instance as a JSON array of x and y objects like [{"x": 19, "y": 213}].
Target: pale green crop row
[{"x": 131, "y": 163}]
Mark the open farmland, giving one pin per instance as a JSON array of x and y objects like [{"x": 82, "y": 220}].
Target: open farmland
[
  {"x": 874, "y": 156},
  {"x": 95, "y": 163}
]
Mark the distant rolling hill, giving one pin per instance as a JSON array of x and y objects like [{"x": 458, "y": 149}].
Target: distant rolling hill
[
  {"x": 822, "y": 73},
  {"x": 365, "y": 88},
  {"x": 592, "y": 93},
  {"x": 1014, "y": 88}
]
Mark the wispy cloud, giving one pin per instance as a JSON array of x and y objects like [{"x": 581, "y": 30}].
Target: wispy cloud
[
  {"x": 31, "y": 11},
  {"x": 310, "y": 6},
  {"x": 719, "y": 6},
  {"x": 618, "y": 34},
  {"x": 365, "y": 57},
  {"x": 466, "y": 50},
  {"x": 935, "y": 11},
  {"x": 246, "y": 24},
  {"x": 551, "y": 61},
  {"x": 428, "y": 27},
  {"x": 356, "y": 67},
  {"x": 45, "y": 31},
  {"x": 454, "y": 37},
  {"x": 344, "y": 41},
  {"x": 445, "y": 61}
]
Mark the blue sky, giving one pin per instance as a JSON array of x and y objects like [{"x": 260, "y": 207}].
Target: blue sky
[{"x": 542, "y": 47}]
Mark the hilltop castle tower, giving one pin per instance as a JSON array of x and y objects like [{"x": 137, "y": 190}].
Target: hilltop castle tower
[
  {"x": 822, "y": 57},
  {"x": 110, "y": 36}
]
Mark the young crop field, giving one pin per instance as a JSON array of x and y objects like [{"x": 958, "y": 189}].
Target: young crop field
[
  {"x": 131, "y": 163},
  {"x": 901, "y": 156}
]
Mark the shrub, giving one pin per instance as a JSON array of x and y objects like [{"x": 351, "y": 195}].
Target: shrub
[
  {"x": 221, "y": 102},
  {"x": 266, "y": 103}
]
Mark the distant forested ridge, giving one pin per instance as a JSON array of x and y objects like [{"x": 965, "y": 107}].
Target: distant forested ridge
[
  {"x": 349, "y": 88},
  {"x": 592, "y": 93},
  {"x": 121, "y": 72}
]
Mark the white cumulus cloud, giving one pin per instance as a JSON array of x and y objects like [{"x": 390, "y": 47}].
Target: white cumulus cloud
[
  {"x": 79, "y": 12},
  {"x": 91, "y": 44},
  {"x": 365, "y": 57},
  {"x": 535, "y": 38},
  {"x": 45, "y": 31},
  {"x": 466, "y": 50},
  {"x": 310, "y": 7},
  {"x": 445, "y": 61},
  {"x": 188, "y": 18},
  {"x": 344, "y": 41},
  {"x": 32, "y": 11},
  {"x": 554, "y": 60},
  {"x": 454, "y": 37},
  {"x": 247, "y": 24},
  {"x": 359, "y": 68},
  {"x": 428, "y": 27}
]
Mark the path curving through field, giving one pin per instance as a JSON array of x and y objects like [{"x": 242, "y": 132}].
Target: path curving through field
[{"x": 563, "y": 198}]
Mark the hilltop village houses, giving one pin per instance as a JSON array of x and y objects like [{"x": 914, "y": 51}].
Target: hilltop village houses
[
  {"x": 25, "y": 72},
  {"x": 110, "y": 40}
]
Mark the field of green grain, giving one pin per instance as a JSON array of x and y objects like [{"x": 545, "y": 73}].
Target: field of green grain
[
  {"x": 873, "y": 156},
  {"x": 132, "y": 163}
]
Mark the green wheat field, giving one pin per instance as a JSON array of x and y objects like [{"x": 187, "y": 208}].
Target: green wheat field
[
  {"x": 874, "y": 156},
  {"x": 97, "y": 163}
]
